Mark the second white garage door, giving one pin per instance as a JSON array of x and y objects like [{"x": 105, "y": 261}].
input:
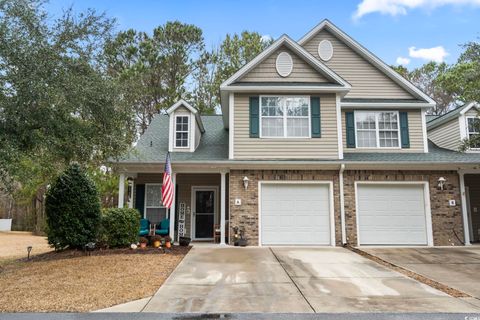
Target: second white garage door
[
  {"x": 295, "y": 214},
  {"x": 391, "y": 214}
]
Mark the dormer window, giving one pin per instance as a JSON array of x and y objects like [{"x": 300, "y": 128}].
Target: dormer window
[
  {"x": 182, "y": 132},
  {"x": 473, "y": 128}
]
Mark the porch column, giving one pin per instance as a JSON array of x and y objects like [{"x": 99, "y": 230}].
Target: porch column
[
  {"x": 131, "y": 185},
  {"x": 172, "y": 209},
  {"x": 121, "y": 190},
  {"x": 466, "y": 226},
  {"x": 222, "y": 208}
]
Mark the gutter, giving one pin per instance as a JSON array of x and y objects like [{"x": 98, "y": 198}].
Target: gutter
[{"x": 342, "y": 204}]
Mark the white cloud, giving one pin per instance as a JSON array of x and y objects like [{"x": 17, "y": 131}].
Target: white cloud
[
  {"x": 398, "y": 7},
  {"x": 436, "y": 54},
  {"x": 403, "y": 61}
]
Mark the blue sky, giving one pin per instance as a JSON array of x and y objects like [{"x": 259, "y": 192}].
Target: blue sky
[{"x": 386, "y": 27}]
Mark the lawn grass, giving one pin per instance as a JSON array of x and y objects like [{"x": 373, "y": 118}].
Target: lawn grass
[{"x": 72, "y": 281}]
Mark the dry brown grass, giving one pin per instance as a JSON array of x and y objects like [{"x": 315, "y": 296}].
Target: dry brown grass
[
  {"x": 14, "y": 244},
  {"x": 71, "y": 281}
]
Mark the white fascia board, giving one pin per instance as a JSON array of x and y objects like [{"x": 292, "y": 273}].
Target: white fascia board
[
  {"x": 367, "y": 55},
  {"x": 183, "y": 103},
  {"x": 382, "y": 105},
  {"x": 285, "y": 40},
  {"x": 469, "y": 106},
  {"x": 284, "y": 88}
]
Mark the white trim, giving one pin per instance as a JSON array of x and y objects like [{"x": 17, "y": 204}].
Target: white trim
[
  {"x": 426, "y": 195},
  {"x": 468, "y": 131},
  {"x": 284, "y": 88},
  {"x": 285, "y": 117},
  {"x": 424, "y": 132},
  {"x": 384, "y": 105},
  {"x": 222, "y": 207},
  {"x": 342, "y": 204},
  {"x": 320, "y": 182},
  {"x": 192, "y": 206},
  {"x": 171, "y": 211},
  {"x": 377, "y": 129},
  {"x": 339, "y": 127},
  {"x": 287, "y": 41},
  {"x": 183, "y": 103},
  {"x": 469, "y": 212},
  {"x": 231, "y": 129},
  {"x": 121, "y": 190},
  {"x": 189, "y": 131},
  {"x": 465, "y": 220},
  {"x": 463, "y": 128},
  {"x": 367, "y": 55},
  {"x": 469, "y": 106},
  {"x": 170, "y": 133}
]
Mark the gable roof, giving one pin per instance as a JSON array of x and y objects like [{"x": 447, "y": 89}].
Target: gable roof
[
  {"x": 452, "y": 114},
  {"x": 298, "y": 50},
  {"x": 370, "y": 57},
  {"x": 183, "y": 103}
]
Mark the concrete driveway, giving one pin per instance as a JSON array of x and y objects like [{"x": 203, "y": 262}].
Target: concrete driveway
[
  {"x": 456, "y": 267},
  {"x": 303, "y": 280}
]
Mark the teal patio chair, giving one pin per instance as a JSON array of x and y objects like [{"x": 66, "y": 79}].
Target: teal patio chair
[
  {"x": 144, "y": 227},
  {"x": 163, "y": 228}
]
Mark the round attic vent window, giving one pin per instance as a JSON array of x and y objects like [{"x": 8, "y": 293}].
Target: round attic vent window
[
  {"x": 284, "y": 64},
  {"x": 325, "y": 50}
]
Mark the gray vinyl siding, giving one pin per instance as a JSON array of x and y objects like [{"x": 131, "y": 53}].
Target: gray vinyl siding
[
  {"x": 472, "y": 113},
  {"x": 325, "y": 147},
  {"x": 366, "y": 80},
  {"x": 267, "y": 72},
  {"x": 446, "y": 135},
  {"x": 414, "y": 130}
]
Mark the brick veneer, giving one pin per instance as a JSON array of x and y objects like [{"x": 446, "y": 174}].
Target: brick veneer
[{"x": 446, "y": 220}]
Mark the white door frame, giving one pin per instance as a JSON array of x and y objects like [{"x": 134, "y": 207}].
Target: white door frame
[
  {"x": 193, "y": 213},
  {"x": 469, "y": 213},
  {"x": 426, "y": 200},
  {"x": 319, "y": 182}
]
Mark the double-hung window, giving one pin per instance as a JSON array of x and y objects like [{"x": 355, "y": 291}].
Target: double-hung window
[
  {"x": 284, "y": 117},
  {"x": 377, "y": 129},
  {"x": 473, "y": 128},
  {"x": 182, "y": 131},
  {"x": 154, "y": 209}
]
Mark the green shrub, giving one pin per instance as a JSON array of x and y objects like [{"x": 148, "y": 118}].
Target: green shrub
[
  {"x": 120, "y": 227},
  {"x": 72, "y": 207}
]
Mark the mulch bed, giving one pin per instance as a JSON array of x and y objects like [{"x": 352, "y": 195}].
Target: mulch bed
[{"x": 429, "y": 282}]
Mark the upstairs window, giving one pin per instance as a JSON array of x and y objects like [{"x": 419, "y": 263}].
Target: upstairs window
[
  {"x": 473, "y": 128},
  {"x": 377, "y": 129},
  {"x": 182, "y": 131},
  {"x": 284, "y": 117}
]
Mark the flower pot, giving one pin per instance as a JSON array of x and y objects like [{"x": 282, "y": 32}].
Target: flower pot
[
  {"x": 5, "y": 224},
  {"x": 242, "y": 242},
  {"x": 156, "y": 244},
  {"x": 143, "y": 245},
  {"x": 184, "y": 241},
  {"x": 168, "y": 244}
]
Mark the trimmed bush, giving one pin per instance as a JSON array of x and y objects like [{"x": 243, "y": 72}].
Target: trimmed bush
[
  {"x": 120, "y": 227},
  {"x": 72, "y": 207}
]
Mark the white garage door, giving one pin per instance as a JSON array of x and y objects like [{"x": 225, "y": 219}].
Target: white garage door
[
  {"x": 295, "y": 214},
  {"x": 391, "y": 214}
]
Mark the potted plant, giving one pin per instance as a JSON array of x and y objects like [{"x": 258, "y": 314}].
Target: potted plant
[
  {"x": 184, "y": 241},
  {"x": 143, "y": 242},
  {"x": 157, "y": 241},
  {"x": 168, "y": 242}
]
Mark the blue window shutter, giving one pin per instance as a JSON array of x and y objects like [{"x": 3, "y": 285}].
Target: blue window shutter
[
  {"x": 350, "y": 127},
  {"x": 315, "y": 115},
  {"x": 140, "y": 198},
  {"x": 404, "y": 129},
  {"x": 254, "y": 117}
]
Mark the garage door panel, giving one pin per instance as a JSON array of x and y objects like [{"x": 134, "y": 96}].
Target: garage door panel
[
  {"x": 391, "y": 214},
  {"x": 295, "y": 214}
]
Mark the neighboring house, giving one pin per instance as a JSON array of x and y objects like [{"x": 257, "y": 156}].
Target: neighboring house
[{"x": 319, "y": 143}]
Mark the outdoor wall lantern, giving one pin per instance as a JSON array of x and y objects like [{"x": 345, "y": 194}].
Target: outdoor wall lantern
[
  {"x": 245, "y": 182},
  {"x": 441, "y": 182}
]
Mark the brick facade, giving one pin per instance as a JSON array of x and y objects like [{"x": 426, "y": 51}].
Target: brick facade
[{"x": 446, "y": 220}]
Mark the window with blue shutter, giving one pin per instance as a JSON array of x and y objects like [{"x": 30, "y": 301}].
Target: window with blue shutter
[
  {"x": 404, "y": 129},
  {"x": 350, "y": 129},
  {"x": 315, "y": 117}
]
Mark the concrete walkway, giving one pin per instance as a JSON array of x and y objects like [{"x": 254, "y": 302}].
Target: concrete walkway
[
  {"x": 457, "y": 267},
  {"x": 301, "y": 280}
]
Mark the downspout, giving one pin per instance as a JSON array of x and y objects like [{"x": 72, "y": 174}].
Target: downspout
[{"x": 342, "y": 204}]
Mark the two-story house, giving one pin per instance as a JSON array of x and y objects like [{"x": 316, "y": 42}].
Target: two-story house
[{"x": 319, "y": 143}]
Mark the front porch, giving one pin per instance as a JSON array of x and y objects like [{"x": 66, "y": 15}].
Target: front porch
[{"x": 200, "y": 210}]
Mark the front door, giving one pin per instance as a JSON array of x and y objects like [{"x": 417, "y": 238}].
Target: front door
[{"x": 203, "y": 211}]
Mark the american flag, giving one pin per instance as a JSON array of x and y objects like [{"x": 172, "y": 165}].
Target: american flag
[{"x": 167, "y": 186}]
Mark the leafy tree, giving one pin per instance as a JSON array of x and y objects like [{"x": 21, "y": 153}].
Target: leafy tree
[
  {"x": 57, "y": 103},
  {"x": 153, "y": 69},
  {"x": 73, "y": 209}
]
